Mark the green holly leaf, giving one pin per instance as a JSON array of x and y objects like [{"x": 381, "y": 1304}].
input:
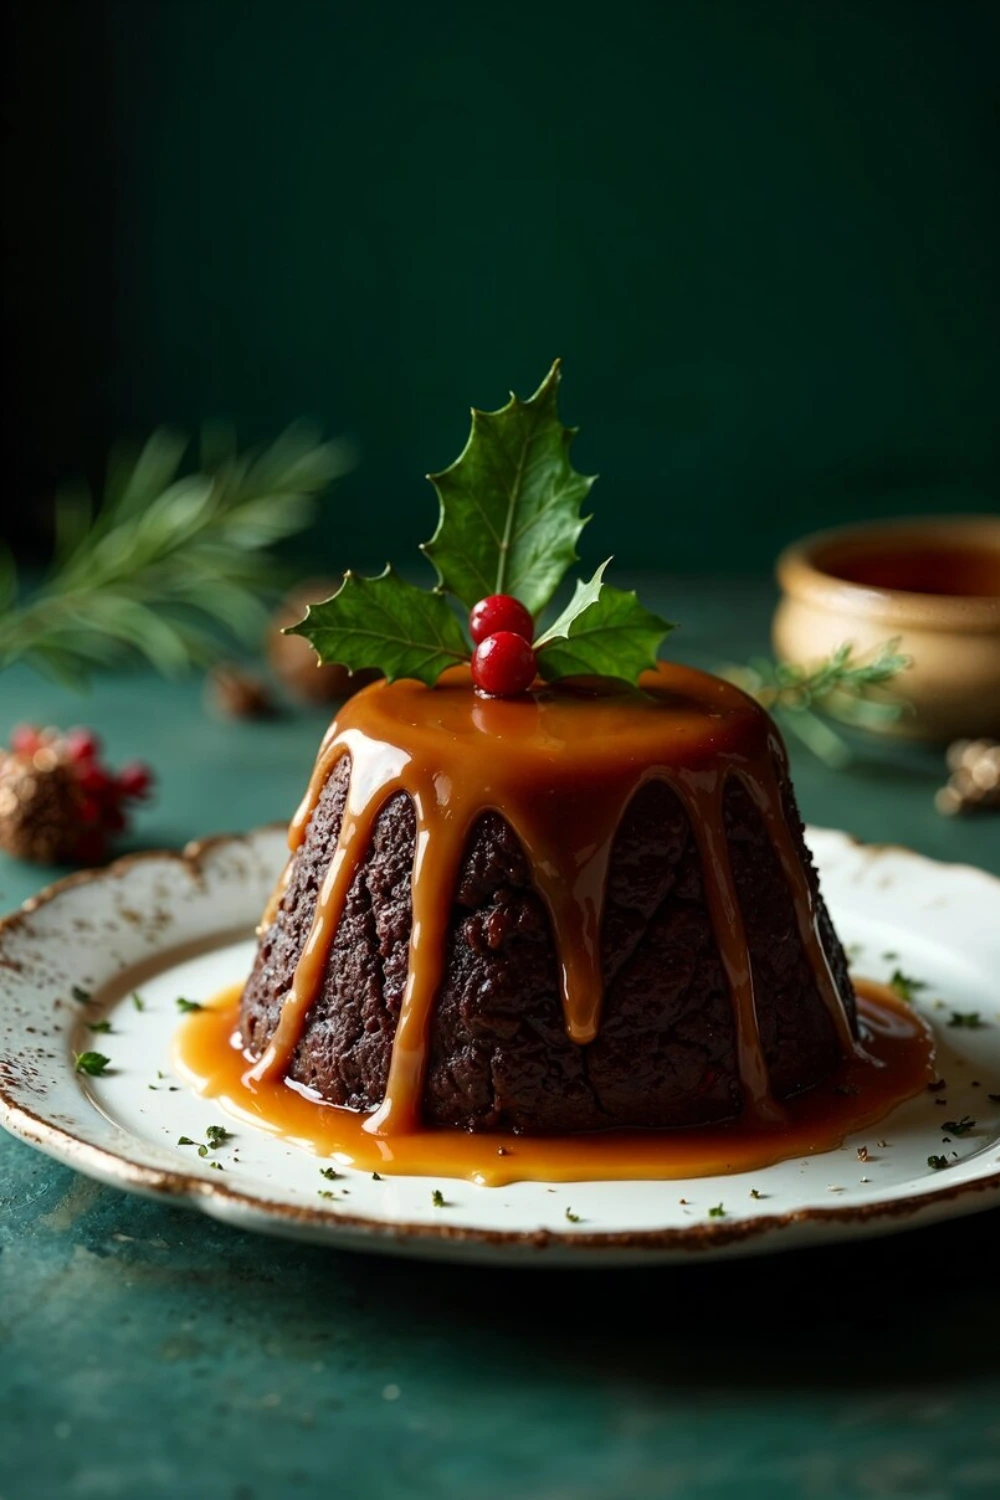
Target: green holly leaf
[
  {"x": 385, "y": 623},
  {"x": 510, "y": 504},
  {"x": 602, "y": 632}
]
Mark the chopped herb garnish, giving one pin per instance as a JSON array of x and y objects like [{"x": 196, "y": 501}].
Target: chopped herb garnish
[
  {"x": 437, "y": 1198},
  {"x": 889, "y": 955},
  {"x": 376, "y": 1177},
  {"x": 185, "y": 1140},
  {"x": 330, "y": 1174},
  {"x": 101, "y": 1026},
  {"x": 937, "y": 1162},
  {"x": 184, "y": 1006},
  {"x": 80, "y": 995},
  {"x": 138, "y": 1001},
  {"x": 216, "y": 1136},
  {"x": 326, "y": 1193},
  {"x": 572, "y": 1217},
  {"x": 718, "y": 1212},
  {"x": 905, "y": 986},
  {"x": 969, "y": 1018},
  {"x": 93, "y": 1063},
  {"x": 216, "y": 1166},
  {"x": 959, "y": 1127},
  {"x": 754, "y": 1193}
]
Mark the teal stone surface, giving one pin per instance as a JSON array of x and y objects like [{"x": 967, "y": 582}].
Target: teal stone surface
[{"x": 147, "y": 1352}]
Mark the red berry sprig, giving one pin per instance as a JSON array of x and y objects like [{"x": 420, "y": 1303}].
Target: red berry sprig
[
  {"x": 59, "y": 802},
  {"x": 503, "y": 663}
]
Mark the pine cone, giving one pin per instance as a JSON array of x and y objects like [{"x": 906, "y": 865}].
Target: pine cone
[
  {"x": 40, "y": 808},
  {"x": 58, "y": 803},
  {"x": 975, "y": 777}
]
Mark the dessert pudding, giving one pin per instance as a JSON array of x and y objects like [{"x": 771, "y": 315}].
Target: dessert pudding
[
  {"x": 583, "y": 907},
  {"x": 548, "y": 910}
]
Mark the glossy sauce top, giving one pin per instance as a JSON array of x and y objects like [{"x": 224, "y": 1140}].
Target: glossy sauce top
[{"x": 560, "y": 764}]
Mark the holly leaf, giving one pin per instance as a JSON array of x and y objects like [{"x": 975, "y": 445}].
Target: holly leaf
[
  {"x": 602, "y": 632},
  {"x": 385, "y": 623},
  {"x": 510, "y": 504}
]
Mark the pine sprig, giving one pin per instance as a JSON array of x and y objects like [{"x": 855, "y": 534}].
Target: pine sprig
[
  {"x": 841, "y": 686},
  {"x": 167, "y": 560}
]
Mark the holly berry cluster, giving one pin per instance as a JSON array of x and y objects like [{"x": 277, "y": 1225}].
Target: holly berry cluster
[
  {"x": 502, "y": 630},
  {"x": 59, "y": 802},
  {"x": 509, "y": 519}
]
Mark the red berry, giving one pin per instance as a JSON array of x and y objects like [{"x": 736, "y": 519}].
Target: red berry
[
  {"x": 88, "y": 810},
  {"x": 82, "y": 744},
  {"x": 499, "y": 612},
  {"x": 92, "y": 777},
  {"x": 25, "y": 739},
  {"x": 503, "y": 665},
  {"x": 135, "y": 779}
]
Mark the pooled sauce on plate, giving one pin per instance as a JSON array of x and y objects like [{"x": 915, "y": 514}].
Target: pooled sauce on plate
[
  {"x": 893, "y": 1063},
  {"x": 561, "y": 765}
]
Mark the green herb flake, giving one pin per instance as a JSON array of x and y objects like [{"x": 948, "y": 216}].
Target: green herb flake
[
  {"x": 330, "y": 1174},
  {"x": 185, "y": 1140},
  {"x": 80, "y": 995},
  {"x": 959, "y": 1127},
  {"x": 971, "y": 1019},
  {"x": 137, "y": 1000},
  {"x": 186, "y": 1006},
  {"x": 216, "y": 1166},
  {"x": 95, "y": 1064},
  {"x": 754, "y": 1193},
  {"x": 904, "y": 985},
  {"x": 437, "y": 1198},
  {"x": 937, "y": 1162},
  {"x": 325, "y": 1193},
  {"x": 216, "y": 1136},
  {"x": 572, "y": 1217},
  {"x": 376, "y": 1177},
  {"x": 718, "y": 1212},
  {"x": 100, "y": 1026}
]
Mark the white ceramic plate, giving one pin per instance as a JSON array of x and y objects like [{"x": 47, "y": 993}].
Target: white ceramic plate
[{"x": 170, "y": 925}]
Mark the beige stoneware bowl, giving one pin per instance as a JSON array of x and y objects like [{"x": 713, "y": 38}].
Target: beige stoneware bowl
[{"x": 932, "y": 581}]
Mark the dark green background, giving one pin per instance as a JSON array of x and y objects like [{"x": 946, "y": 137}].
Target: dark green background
[{"x": 764, "y": 237}]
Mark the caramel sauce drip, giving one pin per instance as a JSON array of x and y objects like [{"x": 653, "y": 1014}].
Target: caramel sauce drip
[
  {"x": 560, "y": 765},
  {"x": 896, "y": 1062}
]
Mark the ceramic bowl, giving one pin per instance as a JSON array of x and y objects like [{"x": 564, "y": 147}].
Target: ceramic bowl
[{"x": 934, "y": 582}]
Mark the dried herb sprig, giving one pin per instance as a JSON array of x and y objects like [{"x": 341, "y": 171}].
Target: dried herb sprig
[
  {"x": 167, "y": 560},
  {"x": 840, "y": 686}
]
